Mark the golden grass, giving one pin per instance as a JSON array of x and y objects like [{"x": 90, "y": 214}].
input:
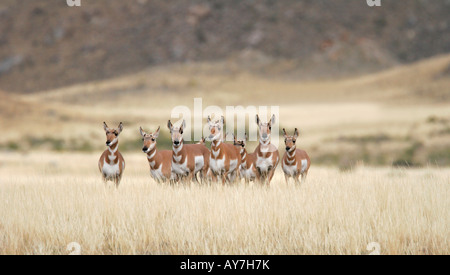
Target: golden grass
[{"x": 48, "y": 201}]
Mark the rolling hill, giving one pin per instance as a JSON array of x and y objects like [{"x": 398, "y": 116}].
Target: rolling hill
[{"x": 45, "y": 44}]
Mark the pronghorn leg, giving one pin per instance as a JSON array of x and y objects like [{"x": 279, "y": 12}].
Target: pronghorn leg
[
  {"x": 195, "y": 177},
  {"x": 271, "y": 173},
  {"x": 304, "y": 176},
  {"x": 190, "y": 177},
  {"x": 224, "y": 177},
  {"x": 237, "y": 174},
  {"x": 297, "y": 180},
  {"x": 286, "y": 177},
  {"x": 258, "y": 176},
  {"x": 201, "y": 177},
  {"x": 117, "y": 180},
  {"x": 233, "y": 176}
]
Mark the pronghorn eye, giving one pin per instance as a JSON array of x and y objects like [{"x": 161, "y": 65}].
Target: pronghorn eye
[
  {"x": 293, "y": 141},
  {"x": 153, "y": 139},
  {"x": 270, "y": 128}
]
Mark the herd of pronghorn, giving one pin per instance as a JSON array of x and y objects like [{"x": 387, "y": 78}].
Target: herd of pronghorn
[{"x": 225, "y": 161}]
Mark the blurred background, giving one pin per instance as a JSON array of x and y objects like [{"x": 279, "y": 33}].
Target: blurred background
[{"x": 363, "y": 84}]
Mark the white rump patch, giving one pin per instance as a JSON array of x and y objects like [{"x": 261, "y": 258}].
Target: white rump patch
[
  {"x": 233, "y": 164},
  {"x": 304, "y": 165},
  {"x": 199, "y": 163}
]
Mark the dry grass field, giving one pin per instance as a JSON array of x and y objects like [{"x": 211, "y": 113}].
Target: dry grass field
[
  {"x": 355, "y": 129},
  {"x": 49, "y": 201}
]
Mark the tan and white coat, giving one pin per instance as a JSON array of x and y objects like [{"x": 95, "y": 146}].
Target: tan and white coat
[
  {"x": 247, "y": 170},
  {"x": 295, "y": 162},
  {"x": 225, "y": 158},
  {"x": 160, "y": 162},
  {"x": 267, "y": 156},
  {"x": 188, "y": 159},
  {"x": 111, "y": 163}
]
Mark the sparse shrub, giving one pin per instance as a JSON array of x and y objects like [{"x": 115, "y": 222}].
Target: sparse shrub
[
  {"x": 85, "y": 147},
  {"x": 346, "y": 164},
  {"x": 130, "y": 145},
  {"x": 440, "y": 156},
  {"x": 13, "y": 146},
  {"x": 377, "y": 138},
  {"x": 407, "y": 157}
]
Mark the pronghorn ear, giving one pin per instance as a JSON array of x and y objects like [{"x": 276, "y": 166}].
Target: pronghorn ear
[
  {"x": 105, "y": 126},
  {"x": 183, "y": 125},
  {"x": 120, "y": 127},
  {"x": 156, "y": 134},
  {"x": 296, "y": 133},
  {"x": 208, "y": 119},
  {"x": 142, "y": 131},
  {"x": 284, "y": 133},
  {"x": 169, "y": 125},
  {"x": 272, "y": 120},
  {"x": 257, "y": 120}
]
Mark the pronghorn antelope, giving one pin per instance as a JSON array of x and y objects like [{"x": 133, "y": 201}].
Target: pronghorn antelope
[
  {"x": 160, "y": 161},
  {"x": 111, "y": 163},
  {"x": 225, "y": 158},
  {"x": 296, "y": 162},
  {"x": 247, "y": 170},
  {"x": 267, "y": 156},
  {"x": 187, "y": 159},
  {"x": 210, "y": 176}
]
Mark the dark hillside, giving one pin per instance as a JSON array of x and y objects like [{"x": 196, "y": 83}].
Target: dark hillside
[{"x": 45, "y": 44}]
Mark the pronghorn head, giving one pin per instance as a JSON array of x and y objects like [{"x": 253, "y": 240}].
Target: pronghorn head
[
  {"x": 149, "y": 140},
  {"x": 289, "y": 141},
  {"x": 176, "y": 133},
  {"x": 215, "y": 129},
  {"x": 265, "y": 129},
  {"x": 240, "y": 143},
  {"x": 112, "y": 135}
]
